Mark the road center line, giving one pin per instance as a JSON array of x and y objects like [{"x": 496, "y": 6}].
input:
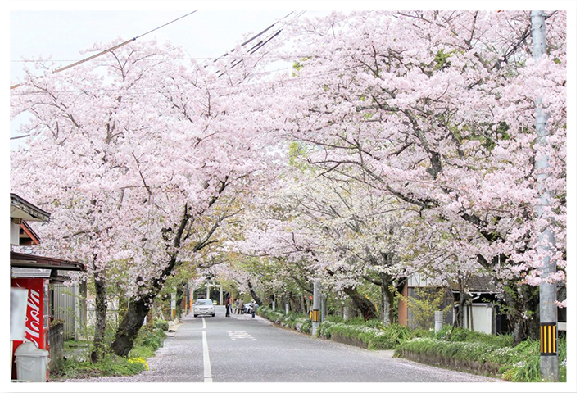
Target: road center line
[
  {"x": 203, "y": 323},
  {"x": 206, "y": 358}
]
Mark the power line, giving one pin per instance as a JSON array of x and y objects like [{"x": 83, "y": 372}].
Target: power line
[
  {"x": 164, "y": 25},
  {"x": 260, "y": 43},
  {"x": 111, "y": 49}
]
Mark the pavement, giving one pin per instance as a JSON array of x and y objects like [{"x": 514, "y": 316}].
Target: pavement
[{"x": 245, "y": 349}]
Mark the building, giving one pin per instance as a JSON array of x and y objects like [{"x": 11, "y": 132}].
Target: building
[
  {"x": 33, "y": 274},
  {"x": 481, "y": 313}
]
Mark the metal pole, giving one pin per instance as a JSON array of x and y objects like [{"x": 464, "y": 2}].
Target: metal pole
[
  {"x": 316, "y": 307},
  {"x": 438, "y": 321},
  {"x": 172, "y": 305},
  {"x": 547, "y": 290}
]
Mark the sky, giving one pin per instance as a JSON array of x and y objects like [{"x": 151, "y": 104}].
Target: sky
[{"x": 61, "y": 35}]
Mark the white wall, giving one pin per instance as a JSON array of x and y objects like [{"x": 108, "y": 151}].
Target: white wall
[
  {"x": 482, "y": 318},
  {"x": 14, "y": 233}
]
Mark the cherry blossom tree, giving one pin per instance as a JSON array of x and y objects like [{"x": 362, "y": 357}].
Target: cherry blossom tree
[
  {"x": 322, "y": 227},
  {"x": 437, "y": 109},
  {"x": 420, "y": 154},
  {"x": 139, "y": 156}
]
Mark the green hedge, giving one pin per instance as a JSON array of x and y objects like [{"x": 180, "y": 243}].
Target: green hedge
[
  {"x": 521, "y": 363},
  {"x": 292, "y": 320},
  {"x": 370, "y": 337},
  {"x": 369, "y": 334}
]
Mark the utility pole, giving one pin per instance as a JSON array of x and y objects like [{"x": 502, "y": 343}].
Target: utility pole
[
  {"x": 315, "y": 314},
  {"x": 547, "y": 290}
]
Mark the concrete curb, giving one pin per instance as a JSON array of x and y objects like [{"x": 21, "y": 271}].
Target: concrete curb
[{"x": 173, "y": 327}]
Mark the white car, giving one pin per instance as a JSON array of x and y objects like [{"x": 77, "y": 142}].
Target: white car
[{"x": 203, "y": 307}]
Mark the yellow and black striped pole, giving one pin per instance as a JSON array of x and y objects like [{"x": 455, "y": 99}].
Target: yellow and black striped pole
[
  {"x": 546, "y": 244},
  {"x": 549, "y": 338}
]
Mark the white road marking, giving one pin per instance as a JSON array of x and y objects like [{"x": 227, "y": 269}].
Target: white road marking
[
  {"x": 206, "y": 359},
  {"x": 203, "y": 323},
  {"x": 239, "y": 335}
]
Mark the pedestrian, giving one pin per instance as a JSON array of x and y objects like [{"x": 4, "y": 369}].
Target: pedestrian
[
  {"x": 253, "y": 306},
  {"x": 241, "y": 306},
  {"x": 227, "y": 306},
  {"x": 236, "y": 303}
]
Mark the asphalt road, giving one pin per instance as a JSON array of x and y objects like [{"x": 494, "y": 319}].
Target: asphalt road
[{"x": 243, "y": 349}]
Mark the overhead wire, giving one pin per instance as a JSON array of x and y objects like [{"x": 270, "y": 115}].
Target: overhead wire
[
  {"x": 260, "y": 44},
  {"x": 236, "y": 61},
  {"x": 111, "y": 49}
]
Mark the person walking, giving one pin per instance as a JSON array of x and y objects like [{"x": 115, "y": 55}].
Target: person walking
[
  {"x": 253, "y": 306},
  {"x": 227, "y": 306},
  {"x": 236, "y": 303},
  {"x": 241, "y": 306}
]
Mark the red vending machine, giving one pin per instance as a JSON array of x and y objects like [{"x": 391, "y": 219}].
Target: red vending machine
[{"x": 37, "y": 314}]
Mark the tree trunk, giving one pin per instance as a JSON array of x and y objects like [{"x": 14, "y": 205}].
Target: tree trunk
[
  {"x": 365, "y": 306},
  {"x": 253, "y": 293},
  {"x": 100, "y": 328},
  {"x": 471, "y": 318},
  {"x": 388, "y": 303},
  {"x": 517, "y": 332},
  {"x": 293, "y": 305},
  {"x": 462, "y": 303},
  {"x": 130, "y": 325},
  {"x": 132, "y": 321}
]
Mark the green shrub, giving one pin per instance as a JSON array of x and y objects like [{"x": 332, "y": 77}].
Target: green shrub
[
  {"x": 459, "y": 334},
  {"x": 111, "y": 365},
  {"x": 161, "y": 325},
  {"x": 150, "y": 338},
  {"x": 306, "y": 326},
  {"x": 518, "y": 364},
  {"x": 333, "y": 318}
]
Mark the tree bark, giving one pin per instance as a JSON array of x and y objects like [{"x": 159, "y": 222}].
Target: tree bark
[
  {"x": 365, "y": 306},
  {"x": 101, "y": 306},
  {"x": 460, "y": 317},
  {"x": 388, "y": 300},
  {"x": 130, "y": 325},
  {"x": 253, "y": 293},
  {"x": 517, "y": 332}
]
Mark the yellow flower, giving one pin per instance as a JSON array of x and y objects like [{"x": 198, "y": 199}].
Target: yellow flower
[{"x": 139, "y": 360}]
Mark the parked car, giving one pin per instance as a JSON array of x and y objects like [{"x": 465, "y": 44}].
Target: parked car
[{"x": 203, "y": 307}]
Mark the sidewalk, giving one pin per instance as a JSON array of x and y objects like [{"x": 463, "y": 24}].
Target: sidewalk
[{"x": 173, "y": 327}]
